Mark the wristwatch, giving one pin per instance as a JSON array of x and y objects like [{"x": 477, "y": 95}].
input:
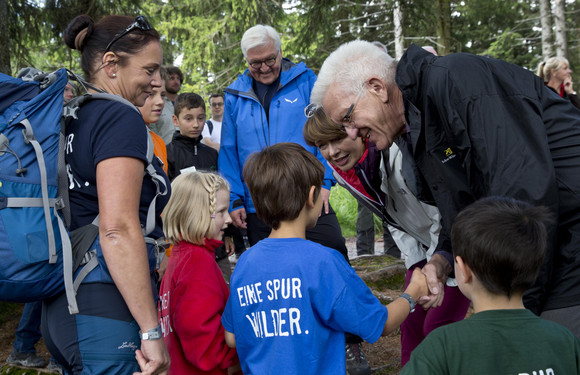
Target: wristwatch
[
  {"x": 409, "y": 299},
  {"x": 152, "y": 334}
]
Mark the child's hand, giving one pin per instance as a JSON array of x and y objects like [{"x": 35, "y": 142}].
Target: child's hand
[{"x": 418, "y": 284}]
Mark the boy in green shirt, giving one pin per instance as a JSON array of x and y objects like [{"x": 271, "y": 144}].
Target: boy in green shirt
[{"x": 498, "y": 246}]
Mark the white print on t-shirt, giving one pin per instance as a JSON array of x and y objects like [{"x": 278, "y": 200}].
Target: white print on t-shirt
[
  {"x": 164, "y": 306},
  {"x": 277, "y": 322},
  {"x": 69, "y": 140},
  {"x": 68, "y": 150},
  {"x": 549, "y": 371},
  {"x": 71, "y": 178}
]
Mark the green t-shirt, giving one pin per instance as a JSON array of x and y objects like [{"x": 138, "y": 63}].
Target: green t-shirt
[{"x": 498, "y": 342}]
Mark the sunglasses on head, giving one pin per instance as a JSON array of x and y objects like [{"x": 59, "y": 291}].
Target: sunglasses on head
[
  {"x": 311, "y": 109},
  {"x": 140, "y": 23}
]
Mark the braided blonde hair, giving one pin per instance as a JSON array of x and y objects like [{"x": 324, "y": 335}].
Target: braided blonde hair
[{"x": 189, "y": 214}]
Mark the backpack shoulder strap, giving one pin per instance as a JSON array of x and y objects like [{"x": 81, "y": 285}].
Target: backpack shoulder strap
[
  {"x": 210, "y": 126},
  {"x": 88, "y": 259}
]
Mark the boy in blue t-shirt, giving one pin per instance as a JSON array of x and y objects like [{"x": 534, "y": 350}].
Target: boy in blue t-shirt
[{"x": 291, "y": 299}]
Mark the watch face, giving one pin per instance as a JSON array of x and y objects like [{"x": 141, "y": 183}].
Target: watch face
[{"x": 152, "y": 334}]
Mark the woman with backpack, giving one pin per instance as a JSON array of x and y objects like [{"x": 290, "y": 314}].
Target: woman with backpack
[{"x": 116, "y": 330}]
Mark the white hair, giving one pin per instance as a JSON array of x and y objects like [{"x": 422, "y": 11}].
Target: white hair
[
  {"x": 350, "y": 66},
  {"x": 259, "y": 35}
]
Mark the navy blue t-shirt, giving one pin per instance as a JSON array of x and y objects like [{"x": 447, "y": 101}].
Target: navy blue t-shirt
[{"x": 107, "y": 129}]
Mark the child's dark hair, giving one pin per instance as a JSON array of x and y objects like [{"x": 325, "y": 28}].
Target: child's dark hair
[
  {"x": 279, "y": 179},
  {"x": 503, "y": 241},
  {"x": 187, "y": 100}
]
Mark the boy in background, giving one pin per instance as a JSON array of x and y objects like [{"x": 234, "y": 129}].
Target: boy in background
[
  {"x": 498, "y": 244},
  {"x": 291, "y": 299},
  {"x": 186, "y": 149},
  {"x": 186, "y": 152}
]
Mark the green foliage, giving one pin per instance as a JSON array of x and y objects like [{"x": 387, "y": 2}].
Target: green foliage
[
  {"x": 203, "y": 36},
  {"x": 35, "y": 30},
  {"x": 506, "y": 30},
  {"x": 345, "y": 206},
  {"x": 511, "y": 46}
]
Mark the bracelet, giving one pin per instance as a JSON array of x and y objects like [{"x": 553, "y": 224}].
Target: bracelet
[
  {"x": 409, "y": 299},
  {"x": 152, "y": 334}
]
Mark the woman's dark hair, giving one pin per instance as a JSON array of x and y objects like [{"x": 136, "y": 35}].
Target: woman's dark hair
[{"x": 92, "y": 40}]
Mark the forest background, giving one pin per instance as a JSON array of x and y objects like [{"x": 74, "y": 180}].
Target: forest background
[{"x": 203, "y": 36}]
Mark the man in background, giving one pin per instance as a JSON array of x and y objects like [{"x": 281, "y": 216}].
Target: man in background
[{"x": 212, "y": 131}]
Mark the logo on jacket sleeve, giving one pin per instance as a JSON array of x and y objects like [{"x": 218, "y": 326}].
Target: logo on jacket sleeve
[{"x": 291, "y": 101}]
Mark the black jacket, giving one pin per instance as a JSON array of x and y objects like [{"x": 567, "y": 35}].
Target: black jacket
[
  {"x": 184, "y": 152},
  {"x": 481, "y": 127}
]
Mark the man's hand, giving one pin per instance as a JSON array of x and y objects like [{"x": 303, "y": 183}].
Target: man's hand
[
  {"x": 325, "y": 194},
  {"x": 153, "y": 358},
  {"x": 436, "y": 272},
  {"x": 239, "y": 217}
]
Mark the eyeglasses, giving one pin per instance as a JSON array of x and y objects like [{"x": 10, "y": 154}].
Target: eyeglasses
[
  {"x": 269, "y": 62},
  {"x": 140, "y": 23},
  {"x": 220, "y": 104},
  {"x": 347, "y": 122}
]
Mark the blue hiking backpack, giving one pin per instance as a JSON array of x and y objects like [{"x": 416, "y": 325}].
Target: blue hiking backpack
[{"x": 37, "y": 256}]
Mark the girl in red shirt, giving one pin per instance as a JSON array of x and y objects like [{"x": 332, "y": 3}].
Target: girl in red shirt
[{"x": 193, "y": 291}]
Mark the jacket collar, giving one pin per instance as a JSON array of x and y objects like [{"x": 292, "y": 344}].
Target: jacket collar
[
  {"x": 410, "y": 71},
  {"x": 193, "y": 141},
  {"x": 288, "y": 72},
  {"x": 212, "y": 244}
]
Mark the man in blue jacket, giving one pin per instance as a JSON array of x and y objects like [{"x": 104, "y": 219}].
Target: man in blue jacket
[{"x": 265, "y": 106}]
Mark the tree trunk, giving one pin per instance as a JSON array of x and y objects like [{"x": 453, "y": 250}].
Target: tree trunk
[
  {"x": 4, "y": 40},
  {"x": 546, "y": 21},
  {"x": 560, "y": 23},
  {"x": 443, "y": 17},
  {"x": 397, "y": 20}
]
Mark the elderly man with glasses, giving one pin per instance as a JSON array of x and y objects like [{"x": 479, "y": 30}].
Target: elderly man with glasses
[
  {"x": 265, "y": 106},
  {"x": 472, "y": 126}
]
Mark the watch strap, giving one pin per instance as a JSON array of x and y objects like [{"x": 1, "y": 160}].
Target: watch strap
[
  {"x": 152, "y": 334},
  {"x": 409, "y": 299}
]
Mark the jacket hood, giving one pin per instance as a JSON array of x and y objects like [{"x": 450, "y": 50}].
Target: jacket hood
[{"x": 410, "y": 71}]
